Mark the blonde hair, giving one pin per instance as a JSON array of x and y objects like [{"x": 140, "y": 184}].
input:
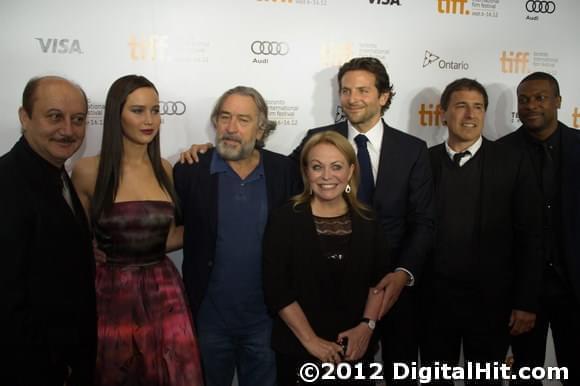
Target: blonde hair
[{"x": 345, "y": 148}]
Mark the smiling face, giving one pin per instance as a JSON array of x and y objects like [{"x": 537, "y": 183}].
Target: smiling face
[
  {"x": 56, "y": 127},
  {"x": 237, "y": 128},
  {"x": 464, "y": 117},
  {"x": 538, "y": 107},
  {"x": 360, "y": 99},
  {"x": 140, "y": 117},
  {"x": 328, "y": 172}
]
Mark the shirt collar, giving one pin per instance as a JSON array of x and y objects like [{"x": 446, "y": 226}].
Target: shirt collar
[
  {"x": 374, "y": 135},
  {"x": 219, "y": 165},
  {"x": 471, "y": 149}
]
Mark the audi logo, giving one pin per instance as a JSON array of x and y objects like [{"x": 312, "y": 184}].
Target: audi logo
[
  {"x": 269, "y": 48},
  {"x": 172, "y": 108},
  {"x": 540, "y": 6}
]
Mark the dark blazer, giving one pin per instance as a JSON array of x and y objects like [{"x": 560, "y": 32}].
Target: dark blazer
[
  {"x": 47, "y": 276},
  {"x": 508, "y": 250},
  {"x": 197, "y": 190},
  {"x": 570, "y": 196},
  {"x": 403, "y": 195},
  {"x": 293, "y": 268}
]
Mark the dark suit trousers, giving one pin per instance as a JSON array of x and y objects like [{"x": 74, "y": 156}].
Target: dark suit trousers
[
  {"x": 561, "y": 312},
  {"x": 452, "y": 316},
  {"x": 399, "y": 335}
]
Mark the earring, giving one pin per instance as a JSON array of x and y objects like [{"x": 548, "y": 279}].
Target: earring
[
  {"x": 348, "y": 189},
  {"x": 311, "y": 191}
]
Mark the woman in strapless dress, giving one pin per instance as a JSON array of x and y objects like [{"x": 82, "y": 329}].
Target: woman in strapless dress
[{"x": 145, "y": 330}]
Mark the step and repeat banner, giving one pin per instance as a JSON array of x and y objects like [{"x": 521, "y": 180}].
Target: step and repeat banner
[{"x": 289, "y": 50}]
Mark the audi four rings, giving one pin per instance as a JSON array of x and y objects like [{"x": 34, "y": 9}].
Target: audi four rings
[
  {"x": 172, "y": 108},
  {"x": 540, "y": 6},
  {"x": 259, "y": 47}
]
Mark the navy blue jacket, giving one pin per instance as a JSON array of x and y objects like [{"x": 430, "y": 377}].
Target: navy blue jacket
[
  {"x": 403, "y": 198},
  {"x": 197, "y": 190}
]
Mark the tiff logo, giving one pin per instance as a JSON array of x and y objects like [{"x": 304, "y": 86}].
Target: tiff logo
[
  {"x": 452, "y": 6},
  {"x": 430, "y": 115},
  {"x": 576, "y": 118},
  {"x": 60, "y": 46},
  {"x": 152, "y": 48},
  {"x": 514, "y": 63}
]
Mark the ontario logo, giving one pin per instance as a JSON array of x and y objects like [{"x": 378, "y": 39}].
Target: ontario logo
[{"x": 429, "y": 58}]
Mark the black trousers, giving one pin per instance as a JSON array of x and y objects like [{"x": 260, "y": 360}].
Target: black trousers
[
  {"x": 451, "y": 317},
  {"x": 561, "y": 312},
  {"x": 399, "y": 335}
]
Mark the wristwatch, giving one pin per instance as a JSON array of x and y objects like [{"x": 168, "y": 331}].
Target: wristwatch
[{"x": 370, "y": 323}]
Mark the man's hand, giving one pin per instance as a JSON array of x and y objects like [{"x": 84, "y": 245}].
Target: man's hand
[
  {"x": 393, "y": 283},
  {"x": 521, "y": 322},
  {"x": 190, "y": 156}
]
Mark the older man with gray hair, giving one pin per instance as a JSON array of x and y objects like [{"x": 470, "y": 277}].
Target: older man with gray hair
[{"x": 225, "y": 199}]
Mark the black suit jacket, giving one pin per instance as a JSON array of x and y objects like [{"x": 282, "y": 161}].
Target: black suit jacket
[
  {"x": 47, "y": 276},
  {"x": 293, "y": 267},
  {"x": 570, "y": 196},
  {"x": 508, "y": 250},
  {"x": 403, "y": 195},
  {"x": 197, "y": 190}
]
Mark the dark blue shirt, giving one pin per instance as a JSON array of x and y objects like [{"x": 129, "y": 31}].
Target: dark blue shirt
[{"x": 234, "y": 297}]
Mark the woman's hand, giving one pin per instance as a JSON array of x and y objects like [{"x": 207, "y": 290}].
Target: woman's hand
[
  {"x": 358, "y": 341},
  {"x": 323, "y": 350}
]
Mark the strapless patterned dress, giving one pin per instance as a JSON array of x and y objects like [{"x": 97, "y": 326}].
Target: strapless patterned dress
[{"x": 145, "y": 329}]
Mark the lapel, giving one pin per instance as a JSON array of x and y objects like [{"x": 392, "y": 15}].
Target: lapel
[
  {"x": 386, "y": 158},
  {"x": 490, "y": 165},
  {"x": 207, "y": 186},
  {"x": 272, "y": 185}
]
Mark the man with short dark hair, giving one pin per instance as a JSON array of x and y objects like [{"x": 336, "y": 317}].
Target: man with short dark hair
[
  {"x": 47, "y": 276},
  {"x": 225, "y": 200},
  {"x": 480, "y": 283},
  {"x": 554, "y": 150},
  {"x": 396, "y": 182}
]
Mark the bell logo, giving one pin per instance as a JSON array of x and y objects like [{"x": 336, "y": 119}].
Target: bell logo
[
  {"x": 60, "y": 46},
  {"x": 430, "y": 115},
  {"x": 514, "y": 63},
  {"x": 576, "y": 118},
  {"x": 452, "y": 6},
  {"x": 152, "y": 48}
]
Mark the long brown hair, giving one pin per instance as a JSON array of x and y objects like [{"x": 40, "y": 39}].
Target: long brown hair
[
  {"x": 109, "y": 173},
  {"x": 345, "y": 148}
]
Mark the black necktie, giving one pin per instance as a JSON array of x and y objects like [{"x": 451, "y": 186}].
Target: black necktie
[
  {"x": 367, "y": 183},
  {"x": 458, "y": 156}
]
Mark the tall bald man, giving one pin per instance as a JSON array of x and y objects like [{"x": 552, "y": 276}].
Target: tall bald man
[{"x": 47, "y": 289}]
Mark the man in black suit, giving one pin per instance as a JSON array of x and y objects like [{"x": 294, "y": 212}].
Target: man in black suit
[
  {"x": 47, "y": 276},
  {"x": 554, "y": 150},
  {"x": 482, "y": 278},
  {"x": 225, "y": 200},
  {"x": 396, "y": 181}
]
